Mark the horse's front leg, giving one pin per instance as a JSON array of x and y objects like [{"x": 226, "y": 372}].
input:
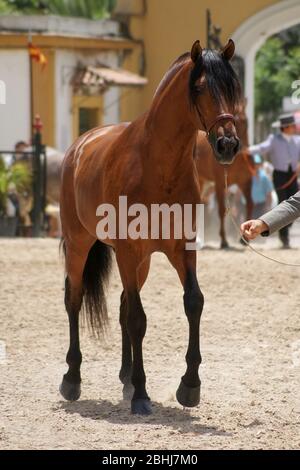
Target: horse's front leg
[
  {"x": 126, "y": 365},
  {"x": 222, "y": 210},
  {"x": 249, "y": 202},
  {"x": 247, "y": 192},
  {"x": 188, "y": 393},
  {"x": 136, "y": 323}
]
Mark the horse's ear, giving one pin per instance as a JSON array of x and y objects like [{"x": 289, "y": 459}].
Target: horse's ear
[
  {"x": 229, "y": 50},
  {"x": 196, "y": 51}
]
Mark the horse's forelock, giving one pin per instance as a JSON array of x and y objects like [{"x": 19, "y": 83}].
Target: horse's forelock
[{"x": 221, "y": 79}]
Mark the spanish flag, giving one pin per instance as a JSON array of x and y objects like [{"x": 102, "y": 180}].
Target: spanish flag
[{"x": 37, "y": 55}]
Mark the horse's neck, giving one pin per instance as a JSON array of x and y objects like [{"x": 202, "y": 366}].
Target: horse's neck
[{"x": 173, "y": 134}]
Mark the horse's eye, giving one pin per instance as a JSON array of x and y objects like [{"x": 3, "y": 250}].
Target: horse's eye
[{"x": 199, "y": 89}]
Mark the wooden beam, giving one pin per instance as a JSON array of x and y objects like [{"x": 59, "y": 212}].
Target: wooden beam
[
  {"x": 44, "y": 96},
  {"x": 20, "y": 41}
]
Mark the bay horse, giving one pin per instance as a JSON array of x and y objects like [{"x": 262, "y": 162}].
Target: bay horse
[
  {"x": 151, "y": 161},
  {"x": 240, "y": 172}
]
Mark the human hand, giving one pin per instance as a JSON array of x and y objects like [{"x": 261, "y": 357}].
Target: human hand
[{"x": 252, "y": 228}]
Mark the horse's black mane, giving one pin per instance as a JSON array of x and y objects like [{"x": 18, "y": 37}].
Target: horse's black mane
[{"x": 221, "y": 79}]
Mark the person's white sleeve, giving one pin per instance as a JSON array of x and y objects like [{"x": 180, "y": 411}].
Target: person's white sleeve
[
  {"x": 262, "y": 148},
  {"x": 297, "y": 138}
]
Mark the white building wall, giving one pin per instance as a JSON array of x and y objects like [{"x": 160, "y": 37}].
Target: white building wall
[
  {"x": 66, "y": 63},
  {"x": 15, "y": 114}
]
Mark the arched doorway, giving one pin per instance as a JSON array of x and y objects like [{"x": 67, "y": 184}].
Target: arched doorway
[{"x": 252, "y": 34}]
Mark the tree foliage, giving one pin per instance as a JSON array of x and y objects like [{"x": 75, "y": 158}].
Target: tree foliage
[
  {"x": 17, "y": 176},
  {"x": 277, "y": 67},
  {"x": 92, "y": 9}
]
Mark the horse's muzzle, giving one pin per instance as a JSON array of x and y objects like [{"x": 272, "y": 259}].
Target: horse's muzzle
[{"x": 226, "y": 149}]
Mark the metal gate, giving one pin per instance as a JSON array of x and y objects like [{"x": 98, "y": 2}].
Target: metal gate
[{"x": 38, "y": 158}]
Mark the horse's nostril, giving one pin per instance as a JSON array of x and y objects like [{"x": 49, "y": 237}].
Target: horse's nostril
[
  {"x": 221, "y": 145},
  {"x": 227, "y": 146}
]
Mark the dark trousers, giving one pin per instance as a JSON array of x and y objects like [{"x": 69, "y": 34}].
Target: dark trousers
[{"x": 280, "y": 178}]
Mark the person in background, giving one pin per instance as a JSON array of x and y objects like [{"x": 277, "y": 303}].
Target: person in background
[
  {"x": 262, "y": 188},
  {"x": 20, "y": 148},
  {"x": 18, "y": 155},
  {"x": 283, "y": 150},
  {"x": 25, "y": 198}
]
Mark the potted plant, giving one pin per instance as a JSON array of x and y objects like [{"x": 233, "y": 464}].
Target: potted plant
[{"x": 14, "y": 181}]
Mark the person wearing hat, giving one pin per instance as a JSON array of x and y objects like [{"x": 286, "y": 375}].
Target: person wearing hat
[{"x": 283, "y": 150}]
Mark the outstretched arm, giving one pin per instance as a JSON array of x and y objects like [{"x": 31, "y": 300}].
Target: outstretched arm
[
  {"x": 279, "y": 217},
  {"x": 262, "y": 148}
]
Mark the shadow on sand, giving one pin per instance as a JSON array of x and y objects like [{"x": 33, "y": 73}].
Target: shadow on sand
[
  {"x": 178, "y": 419},
  {"x": 230, "y": 248}
]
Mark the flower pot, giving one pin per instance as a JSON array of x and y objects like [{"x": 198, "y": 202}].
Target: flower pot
[{"x": 8, "y": 226}]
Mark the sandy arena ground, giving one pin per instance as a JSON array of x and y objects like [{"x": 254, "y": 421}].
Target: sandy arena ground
[{"x": 250, "y": 346}]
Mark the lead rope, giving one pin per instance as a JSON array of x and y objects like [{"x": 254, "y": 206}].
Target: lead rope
[
  {"x": 290, "y": 181},
  {"x": 229, "y": 212}
]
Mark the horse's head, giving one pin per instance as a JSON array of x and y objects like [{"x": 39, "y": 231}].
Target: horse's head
[{"x": 215, "y": 94}]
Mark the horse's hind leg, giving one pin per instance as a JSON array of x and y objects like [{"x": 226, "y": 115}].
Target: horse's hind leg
[
  {"x": 70, "y": 386},
  {"x": 136, "y": 327},
  {"x": 126, "y": 367}
]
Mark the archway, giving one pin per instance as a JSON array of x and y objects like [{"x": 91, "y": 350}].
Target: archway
[{"x": 252, "y": 34}]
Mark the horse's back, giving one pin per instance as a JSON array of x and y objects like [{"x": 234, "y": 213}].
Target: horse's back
[
  {"x": 83, "y": 172},
  {"x": 84, "y": 147},
  {"x": 87, "y": 157}
]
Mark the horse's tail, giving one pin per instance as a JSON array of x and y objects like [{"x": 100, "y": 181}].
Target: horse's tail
[{"x": 95, "y": 280}]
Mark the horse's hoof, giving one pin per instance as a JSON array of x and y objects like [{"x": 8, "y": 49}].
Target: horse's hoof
[
  {"x": 188, "y": 396},
  {"x": 70, "y": 392},
  {"x": 141, "y": 406},
  {"x": 128, "y": 391},
  {"x": 224, "y": 245}
]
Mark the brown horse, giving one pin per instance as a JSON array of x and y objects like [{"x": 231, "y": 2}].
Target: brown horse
[
  {"x": 240, "y": 172},
  {"x": 151, "y": 161}
]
